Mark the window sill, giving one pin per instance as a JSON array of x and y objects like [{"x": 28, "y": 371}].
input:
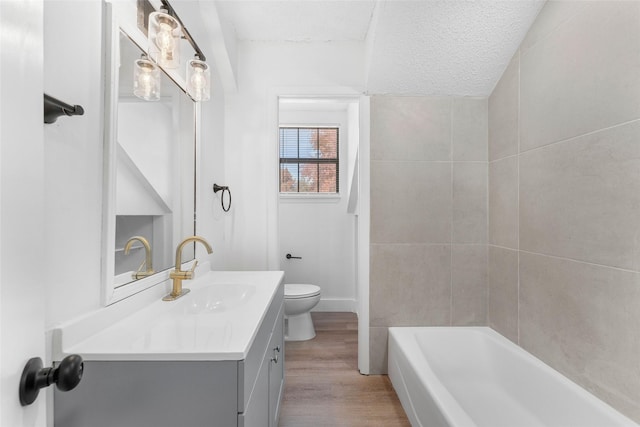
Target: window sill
[{"x": 310, "y": 197}]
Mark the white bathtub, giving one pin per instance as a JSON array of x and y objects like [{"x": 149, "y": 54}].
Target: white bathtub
[{"x": 476, "y": 377}]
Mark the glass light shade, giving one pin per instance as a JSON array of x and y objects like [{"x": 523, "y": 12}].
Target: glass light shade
[
  {"x": 146, "y": 80},
  {"x": 165, "y": 33},
  {"x": 198, "y": 80}
]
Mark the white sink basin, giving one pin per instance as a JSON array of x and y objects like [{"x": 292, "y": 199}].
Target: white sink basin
[
  {"x": 218, "y": 298},
  {"x": 217, "y": 320}
]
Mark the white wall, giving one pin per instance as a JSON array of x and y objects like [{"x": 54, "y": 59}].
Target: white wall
[
  {"x": 322, "y": 233},
  {"x": 264, "y": 71},
  {"x": 319, "y": 229},
  {"x": 211, "y": 220},
  {"x": 73, "y": 71},
  {"x": 73, "y": 62},
  {"x": 362, "y": 233},
  {"x": 353, "y": 167}
]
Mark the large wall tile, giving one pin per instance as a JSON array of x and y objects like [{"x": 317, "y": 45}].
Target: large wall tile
[
  {"x": 410, "y": 202},
  {"x": 413, "y": 213},
  {"x": 583, "y": 77},
  {"x": 410, "y": 128},
  {"x": 574, "y": 187},
  {"x": 469, "y": 129},
  {"x": 503, "y": 292},
  {"x": 503, "y": 202},
  {"x": 579, "y": 199},
  {"x": 378, "y": 350},
  {"x": 469, "y": 285},
  {"x": 584, "y": 320},
  {"x": 553, "y": 15},
  {"x": 470, "y": 202},
  {"x": 503, "y": 113},
  {"x": 410, "y": 285}
]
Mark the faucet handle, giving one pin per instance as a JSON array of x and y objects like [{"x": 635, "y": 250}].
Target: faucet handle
[
  {"x": 142, "y": 272},
  {"x": 189, "y": 274},
  {"x": 193, "y": 267}
]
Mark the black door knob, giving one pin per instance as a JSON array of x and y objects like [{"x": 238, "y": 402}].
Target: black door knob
[
  {"x": 69, "y": 373},
  {"x": 66, "y": 376}
]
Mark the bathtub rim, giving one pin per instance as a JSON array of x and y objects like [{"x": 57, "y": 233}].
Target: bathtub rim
[
  {"x": 454, "y": 415},
  {"x": 453, "y": 412}
]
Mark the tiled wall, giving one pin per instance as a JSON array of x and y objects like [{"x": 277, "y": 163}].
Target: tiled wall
[
  {"x": 428, "y": 215},
  {"x": 564, "y": 197}
]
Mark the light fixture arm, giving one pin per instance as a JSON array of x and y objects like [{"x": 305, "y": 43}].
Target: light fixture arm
[{"x": 187, "y": 35}]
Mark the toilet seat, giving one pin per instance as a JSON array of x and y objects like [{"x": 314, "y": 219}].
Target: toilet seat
[{"x": 296, "y": 291}]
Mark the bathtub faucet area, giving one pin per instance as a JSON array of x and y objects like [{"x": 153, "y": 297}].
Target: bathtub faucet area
[{"x": 178, "y": 275}]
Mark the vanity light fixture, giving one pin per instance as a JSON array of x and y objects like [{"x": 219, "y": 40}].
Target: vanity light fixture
[
  {"x": 164, "y": 39},
  {"x": 165, "y": 31},
  {"x": 146, "y": 80},
  {"x": 198, "y": 80}
]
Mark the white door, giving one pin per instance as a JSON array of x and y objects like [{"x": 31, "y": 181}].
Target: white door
[{"x": 22, "y": 300}]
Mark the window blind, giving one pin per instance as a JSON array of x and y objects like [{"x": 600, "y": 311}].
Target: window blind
[{"x": 309, "y": 161}]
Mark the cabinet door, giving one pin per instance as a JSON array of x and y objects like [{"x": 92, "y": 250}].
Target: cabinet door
[
  {"x": 160, "y": 393},
  {"x": 276, "y": 371},
  {"x": 257, "y": 409}
]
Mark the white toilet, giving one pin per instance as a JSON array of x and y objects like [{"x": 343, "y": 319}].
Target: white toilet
[{"x": 299, "y": 299}]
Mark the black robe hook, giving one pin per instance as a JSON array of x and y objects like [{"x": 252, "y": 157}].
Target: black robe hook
[{"x": 54, "y": 108}]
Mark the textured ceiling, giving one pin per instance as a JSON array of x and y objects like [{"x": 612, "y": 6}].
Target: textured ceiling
[
  {"x": 434, "y": 47},
  {"x": 446, "y": 47},
  {"x": 298, "y": 20}
]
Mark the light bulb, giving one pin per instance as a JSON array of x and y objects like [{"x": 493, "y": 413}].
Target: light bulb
[
  {"x": 146, "y": 80},
  {"x": 165, "y": 42},
  {"x": 164, "y": 37},
  {"x": 146, "y": 83},
  {"x": 198, "y": 77},
  {"x": 198, "y": 81}
]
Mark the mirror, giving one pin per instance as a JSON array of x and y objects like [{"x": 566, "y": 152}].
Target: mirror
[{"x": 151, "y": 176}]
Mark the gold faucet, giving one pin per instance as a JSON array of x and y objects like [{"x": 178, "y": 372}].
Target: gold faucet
[
  {"x": 178, "y": 275},
  {"x": 147, "y": 262}
]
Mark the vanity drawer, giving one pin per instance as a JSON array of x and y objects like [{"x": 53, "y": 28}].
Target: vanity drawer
[{"x": 249, "y": 368}]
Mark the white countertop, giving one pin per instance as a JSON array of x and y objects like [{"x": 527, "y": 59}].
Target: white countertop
[{"x": 217, "y": 320}]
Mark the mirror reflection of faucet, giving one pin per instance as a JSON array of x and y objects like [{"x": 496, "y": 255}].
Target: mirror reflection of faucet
[
  {"x": 178, "y": 275},
  {"x": 147, "y": 261}
]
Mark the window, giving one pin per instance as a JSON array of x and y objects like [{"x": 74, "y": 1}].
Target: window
[{"x": 309, "y": 160}]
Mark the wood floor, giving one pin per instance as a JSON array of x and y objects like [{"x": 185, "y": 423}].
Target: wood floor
[{"x": 323, "y": 386}]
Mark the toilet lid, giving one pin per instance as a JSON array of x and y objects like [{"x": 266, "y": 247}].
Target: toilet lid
[{"x": 300, "y": 290}]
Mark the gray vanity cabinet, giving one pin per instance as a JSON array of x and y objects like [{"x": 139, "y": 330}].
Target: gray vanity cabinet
[
  {"x": 185, "y": 393},
  {"x": 276, "y": 373},
  {"x": 262, "y": 377}
]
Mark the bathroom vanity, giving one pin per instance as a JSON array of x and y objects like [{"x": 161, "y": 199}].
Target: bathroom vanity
[{"x": 214, "y": 357}]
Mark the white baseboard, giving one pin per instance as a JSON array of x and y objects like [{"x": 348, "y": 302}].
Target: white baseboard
[{"x": 337, "y": 304}]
